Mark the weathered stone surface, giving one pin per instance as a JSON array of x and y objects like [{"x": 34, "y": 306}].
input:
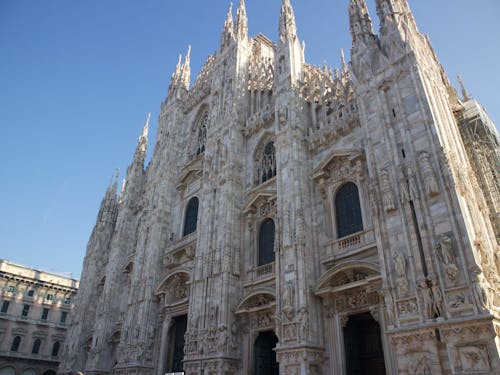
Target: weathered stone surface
[{"x": 262, "y": 135}]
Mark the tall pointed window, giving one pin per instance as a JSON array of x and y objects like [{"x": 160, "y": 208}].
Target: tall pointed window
[
  {"x": 348, "y": 210},
  {"x": 267, "y": 164},
  {"x": 202, "y": 134},
  {"x": 266, "y": 242},
  {"x": 191, "y": 216}
]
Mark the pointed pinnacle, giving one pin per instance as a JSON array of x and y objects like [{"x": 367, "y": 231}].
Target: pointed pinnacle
[
  {"x": 465, "y": 94},
  {"x": 146, "y": 127},
  {"x": 229, "y": 17},
  {"x": 186, "y": 69},
  {"x": 342, "y": 59}
]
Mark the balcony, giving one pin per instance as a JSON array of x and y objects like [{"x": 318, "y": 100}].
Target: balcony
[
  {"x": 348, "y": 246},
  {"x": 264, "y": 271}
]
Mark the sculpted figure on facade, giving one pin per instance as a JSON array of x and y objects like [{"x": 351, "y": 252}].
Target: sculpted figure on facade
[
  {"x": 437, "y": 296},
  {"x": 427, "y": 301},
  {"x": 401, "y": 276},
  {"x": 430, "y": 183},
  {"x": 387, "y": 193},
  {"x": 444, "y": 251}
]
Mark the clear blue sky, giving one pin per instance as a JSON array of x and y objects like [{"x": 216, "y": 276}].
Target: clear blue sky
[{"x": 77, "y": 79}]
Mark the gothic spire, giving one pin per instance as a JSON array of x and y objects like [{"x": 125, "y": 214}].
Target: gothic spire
[
  {"x": 113, "y": 184},
  {"x": 360, "y": 22},
  {"x": 241, "y": 27},
  {"x": 344, "y": 64},
  {"x": 142, "y": 143},
  {"x": 465, "y": 94},
  {"x": 177, "y": 73},
  {"x": 185, "y": 76},
  {"x": 287, "y": 28},
  {"x": 228, "y": 30}
]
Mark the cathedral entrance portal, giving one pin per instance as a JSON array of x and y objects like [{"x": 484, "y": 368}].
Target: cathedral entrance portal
[
  {"x": 264, "y": 354},
  {"x": 363, "y": 346},
  {"x": 177, "y": 332}
]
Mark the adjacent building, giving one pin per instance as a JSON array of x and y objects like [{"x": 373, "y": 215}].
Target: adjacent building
[
  {"x": 35, "y": 307},
  {"x": 297, "y": 219}
]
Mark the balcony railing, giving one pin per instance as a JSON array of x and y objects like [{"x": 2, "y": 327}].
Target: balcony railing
[
  {"x": 260, "y": 272},
  {"x": 352, "y": 243}
]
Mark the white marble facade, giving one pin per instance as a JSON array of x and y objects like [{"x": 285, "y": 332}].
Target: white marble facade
[{"x": 384, "y": 251}]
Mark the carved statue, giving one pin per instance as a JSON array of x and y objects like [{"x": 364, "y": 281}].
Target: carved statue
[
  {"x": 389, "y": 305},
  {"x": 430, "y": 183},
  {"x": 303, "y": 324},
  {"x": 387, "y": 196},
  {"x": 426, "y": 298},
  {"x": 399, "y": 264},
  {"x": 437, "y": 295},
  {"x": 479, "y": 293},
  {"x": 444, "y": 250}
]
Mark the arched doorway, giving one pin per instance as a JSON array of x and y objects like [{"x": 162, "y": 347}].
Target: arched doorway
[
  {"x": 363, "y": 346},
  {"x": 264, "y": 354}
]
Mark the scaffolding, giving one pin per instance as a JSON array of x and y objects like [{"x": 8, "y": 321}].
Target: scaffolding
[{"x": 482, "y": 143}]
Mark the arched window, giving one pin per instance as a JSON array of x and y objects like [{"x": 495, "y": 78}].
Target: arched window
[
  {"x": 267, "y": 164},
  {"x": 202, "y": 134},
  {"x": 36, "y": 346},
  {"x": 15, "y": 344},
  {"x": 348, "y": 210},
  {"x": 191, "y": 216},
  {"x": 55, "y": 349},
  {"x": 266, "y": 242}
]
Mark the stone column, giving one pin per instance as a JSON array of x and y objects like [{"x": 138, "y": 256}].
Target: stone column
[{"x": 163, "y": 345}]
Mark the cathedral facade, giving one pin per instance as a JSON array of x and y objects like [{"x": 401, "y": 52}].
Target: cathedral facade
[{"x": 301, "y": 220}]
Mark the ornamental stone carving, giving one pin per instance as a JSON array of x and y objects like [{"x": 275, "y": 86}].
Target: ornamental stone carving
[
  {"x": 387, "y": 192},
  {"x": 430, "y": 183},
  {"x": 444, "y": 252}
]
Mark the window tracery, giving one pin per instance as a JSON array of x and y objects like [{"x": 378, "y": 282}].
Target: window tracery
[{"x": 266, "y": 168}]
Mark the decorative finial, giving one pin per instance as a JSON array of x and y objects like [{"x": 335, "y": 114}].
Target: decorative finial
[
  {"x": 146, "y": 126},
  {"x": 342, "y": 59},
  {"x": 465, "y": 94}
]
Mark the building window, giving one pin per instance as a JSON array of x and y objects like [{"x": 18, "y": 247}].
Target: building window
[
  {"x": 31, "y": 293},
  {"x": 15, "y": 344},
  {"x": 267, "y": 164},
  {"x": 191, "y": 216},
  {"x": 64, "y": 315},
  {"x": 67, "y": 301},
  {"x": 26, "y": 310},
  {"x": 50, "y": 297},
  {"x": 266, "y": 242},
  {"x": 348, "y": 210},
  {"x": 5, "y": 306},
  {"x": 36, "y": 346},
  {"x": 45, "y": 314},
  {"x": 55, "y": 349},
  {"x": 11, "y": 289},
  {"x": 202, "y": 134}
]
